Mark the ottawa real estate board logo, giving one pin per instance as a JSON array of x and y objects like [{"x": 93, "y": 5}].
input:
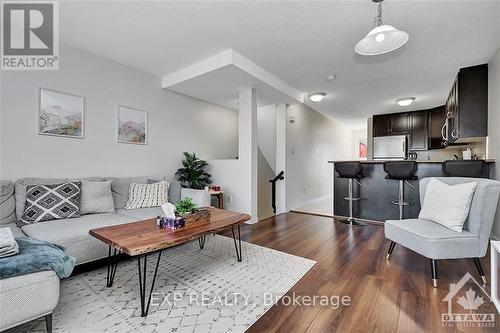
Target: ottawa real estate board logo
[
  {"x": 467, "y": 301},
  {"x": 30, "y": 36}
]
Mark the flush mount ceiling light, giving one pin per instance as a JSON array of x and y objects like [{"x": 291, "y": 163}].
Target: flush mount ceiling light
[
  {"x": 405, "y": 101},
  {"x": 316, "y": 96},
  {"x": 382, "y": 39}
]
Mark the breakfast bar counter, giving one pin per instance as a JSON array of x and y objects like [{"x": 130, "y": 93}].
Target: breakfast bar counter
[{"x": 377, "y": 192}]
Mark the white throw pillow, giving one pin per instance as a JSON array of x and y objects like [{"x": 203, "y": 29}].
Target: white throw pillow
[
  {"x": 147, "y": 195},
  {"x": 447, "y": 205},
  {"x": 96, "y": 198}
]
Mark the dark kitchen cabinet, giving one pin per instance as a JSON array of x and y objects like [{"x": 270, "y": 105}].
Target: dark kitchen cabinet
[
  {"x": 399, "y": 123},
  {"x": 419, "y": 130},
  {"x": 467, "y": 105},
  {"x": 382, "y": 125},
  {"x": 437, "y": 118},
  {"x": 390, "y": 124}
]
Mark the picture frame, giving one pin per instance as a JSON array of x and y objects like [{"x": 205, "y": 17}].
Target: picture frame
[
  {"x": 131, "y": 126},
  {"x": 61, "y": 114}
]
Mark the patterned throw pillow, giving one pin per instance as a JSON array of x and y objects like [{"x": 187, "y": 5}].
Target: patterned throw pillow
[
  {"x": 51, "y": 202},
  {"x": 147, "y": 195}
]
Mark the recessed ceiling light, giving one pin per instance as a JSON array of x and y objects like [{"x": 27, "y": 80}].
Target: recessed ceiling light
[
  {"x": 405, "y": 101},
  {"x": 316, "y": 96}
]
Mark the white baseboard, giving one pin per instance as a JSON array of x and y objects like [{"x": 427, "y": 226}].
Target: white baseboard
[
  {"x": 253, "y": 220},
  {"x": 309, "y": 202}
]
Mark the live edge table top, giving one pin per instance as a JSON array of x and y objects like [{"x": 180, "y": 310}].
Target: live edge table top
[{"x": 145, "y": 236}]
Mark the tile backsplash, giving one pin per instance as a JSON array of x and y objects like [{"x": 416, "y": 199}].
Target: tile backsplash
[{"x": 476, "y": 145}]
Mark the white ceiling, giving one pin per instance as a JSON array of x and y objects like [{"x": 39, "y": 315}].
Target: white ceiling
[
  {"x": 218, "y": 79},
  {"x": 300, "y": 42}
]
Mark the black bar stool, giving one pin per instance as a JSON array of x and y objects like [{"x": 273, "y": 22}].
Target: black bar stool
[
  {"x": 463, "y": 168},
  {"x": 403, "y": 171},
  {"x": 352, "y": 171}
]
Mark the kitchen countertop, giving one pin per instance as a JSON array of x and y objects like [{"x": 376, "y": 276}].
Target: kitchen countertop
[{"x": 382, "y": 161}]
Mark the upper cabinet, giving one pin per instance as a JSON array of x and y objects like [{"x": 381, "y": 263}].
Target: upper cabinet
[
  {"x": 413, "y": 124},
  {"x": 382, "y": 125},
  {"x": 390, "y": 124},
  {"x": 467, "y": 105},
  {"x": 419, "y": 130},
  {"x": 400, "y": 123},
  {"x": 437, "y": 119}
]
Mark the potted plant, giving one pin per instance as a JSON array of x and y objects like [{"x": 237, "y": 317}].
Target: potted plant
[
  {"x": 193, "y": 174},
  {"x": 186, "y": 209}
]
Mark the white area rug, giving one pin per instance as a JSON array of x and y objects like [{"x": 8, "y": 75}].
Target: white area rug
[{"x": 214, "y": 292}]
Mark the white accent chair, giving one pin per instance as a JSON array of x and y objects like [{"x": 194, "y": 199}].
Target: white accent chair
[{"x": 435, "y": 241}]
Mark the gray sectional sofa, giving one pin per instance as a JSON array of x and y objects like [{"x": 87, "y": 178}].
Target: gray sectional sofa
[
  {"x": 74, "y": 233},
  {"x": 36, "y": 295}
]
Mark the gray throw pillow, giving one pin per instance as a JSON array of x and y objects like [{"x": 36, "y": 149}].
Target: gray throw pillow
[
  {"x": 51, "y": 202},
  {"x": 96, "y": 198}
]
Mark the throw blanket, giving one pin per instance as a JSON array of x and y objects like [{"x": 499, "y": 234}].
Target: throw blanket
[
  {"x": 36, "y": 256},
  {"x": 8, "y": 245}
]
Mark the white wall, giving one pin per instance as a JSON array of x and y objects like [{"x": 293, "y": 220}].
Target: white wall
[
  {"x": 266, "y": 133},
  {"x": 176, "y": 123},
  {"x": 264, "y": 192},
  {"x": 281, "y": 126},
  {"x": 311, "y": 141},
  {"x": 238, "y": 178},
  {"x": 494, "y": 124},
  {"x": 354, "y": 140}
]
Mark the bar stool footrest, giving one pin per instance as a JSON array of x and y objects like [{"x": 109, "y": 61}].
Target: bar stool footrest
[
  {"x": 397, "y": 203},
  {"x": 353, "y": 199},
  {"x": 350, "y": 221}
]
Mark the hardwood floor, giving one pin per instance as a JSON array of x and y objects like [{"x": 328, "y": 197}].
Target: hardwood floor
[{"x": 386, "y": 296}]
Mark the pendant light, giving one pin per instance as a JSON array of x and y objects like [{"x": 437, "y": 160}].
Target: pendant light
[{"x": 382, "y": 39}]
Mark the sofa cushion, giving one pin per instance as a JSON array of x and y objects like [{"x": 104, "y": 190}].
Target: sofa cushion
[
  {"x": 20, "y": 190},
  {"x": 432, "y": 239},
  {"x": 142, "y": 213},
  {"x": 74, "y": 234},
  {"x": 7, "y": 202},
  {"x": 52, "y": 202},
  {"x": 147, "y": 195},
  {"x": 174, "y": 191},
  {"x": 96, "y": 198},
  {"x": 120, "y": 187}
]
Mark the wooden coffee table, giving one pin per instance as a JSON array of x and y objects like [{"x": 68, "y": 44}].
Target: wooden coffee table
[{"x": 143, "y": 238}]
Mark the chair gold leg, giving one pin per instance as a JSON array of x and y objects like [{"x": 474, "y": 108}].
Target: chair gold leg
[
  {"x": 480, "y": 270},
  {"x": 434, "y": 273},
  {"x": 389, "y": 252}
]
